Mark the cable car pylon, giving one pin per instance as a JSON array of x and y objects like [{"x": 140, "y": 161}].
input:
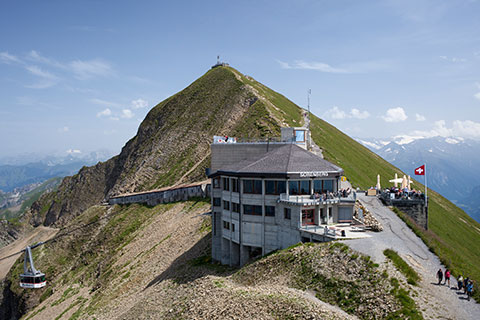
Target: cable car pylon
[{"x": 31, "y": 278}]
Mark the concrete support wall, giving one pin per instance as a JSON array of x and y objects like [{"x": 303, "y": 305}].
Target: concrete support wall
[{"x": 416, "y": 211}]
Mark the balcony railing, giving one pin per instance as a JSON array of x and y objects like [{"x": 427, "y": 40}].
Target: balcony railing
[
  {"x": 317, "y": 199},
  {"x": 321, "y": 230}
]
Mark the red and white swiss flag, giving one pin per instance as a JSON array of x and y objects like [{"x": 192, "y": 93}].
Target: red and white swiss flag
[{"x": 420, "y": 171}]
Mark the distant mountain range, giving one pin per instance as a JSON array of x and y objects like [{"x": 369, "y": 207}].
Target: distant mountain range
[
  {"x": 17, "y": 172},
  {"x": 452, "y": 165}
]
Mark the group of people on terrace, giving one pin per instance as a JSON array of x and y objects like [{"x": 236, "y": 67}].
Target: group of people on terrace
[
  {"x": 404, "y": 194},
  {"x": 342, "y": 193}
]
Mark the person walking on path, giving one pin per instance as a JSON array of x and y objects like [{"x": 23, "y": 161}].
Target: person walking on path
[
  {"x": 465, "y": 283},
  {"x": 460, "y": 282},
  {"x": 440, "y": 276},
  {"x": 447, "y": 277},
  {"x": 469, "y": 289}
]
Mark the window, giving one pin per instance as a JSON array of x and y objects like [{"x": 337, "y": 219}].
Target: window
[
  {"x": 252, "y": 210},
  {"x": 235, "y": 185},
  {"x": 322, "y": 186},
  {"x": 233, "y": 227},
  {"x": 226, "y": 205},
  {"x": 252, "y": 186},
  {"x": 226, "y": 225},
  {"x": 287, "y": 212},
  {"x": 235, "y": 207},
  {"x": 293, "y": 187},
  {"x": 226, "y": 184},
  {"x": 299, "y": 136},
  {"x": 217, "y": 202},
  {"x": 275, "y": 187},
  {"x": 270, "y": 211},
  {"x": 328, "y": 185},
  {"x": 216, "y": 183},
  {"x": 305, "y": 187},
  {"x": 301, "y": 187}
]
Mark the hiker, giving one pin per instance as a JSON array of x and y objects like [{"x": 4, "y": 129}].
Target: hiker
[
  {"x": 469, "y": 289},
  {"x": 440, "y": 276},
  {"x": 465, "y": 282},
  {"x": 460, "y": 283},
  {"x": 447, "y": 277}
]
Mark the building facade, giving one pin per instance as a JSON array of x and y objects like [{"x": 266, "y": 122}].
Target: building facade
[{"x": 275, "y": 197}]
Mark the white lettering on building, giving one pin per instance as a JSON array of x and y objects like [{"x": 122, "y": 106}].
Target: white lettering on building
[{"x": 314, "y": 174}]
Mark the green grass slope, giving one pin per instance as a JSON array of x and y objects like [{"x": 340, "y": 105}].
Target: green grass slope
[{"x": 452, "y": 234}]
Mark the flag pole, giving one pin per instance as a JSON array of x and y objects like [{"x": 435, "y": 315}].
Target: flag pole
[
  {"x": 426, "y": 199},
  {"x": 426, "y": 188}
]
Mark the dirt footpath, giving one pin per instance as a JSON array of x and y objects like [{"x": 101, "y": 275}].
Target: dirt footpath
[
  {"x": 435, "y": 302},
  {"x": 7, "y": 253}
]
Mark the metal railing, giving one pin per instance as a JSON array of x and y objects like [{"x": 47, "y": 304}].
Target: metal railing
[
  {"x": 321, "y": 230},
  {"x": 310, "y": 199}
]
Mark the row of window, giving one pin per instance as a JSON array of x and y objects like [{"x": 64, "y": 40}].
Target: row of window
[
  {"x": 247, "y": 208},
  {"x": 295, "y": 187},
  {"x": 226, "y": 225}
]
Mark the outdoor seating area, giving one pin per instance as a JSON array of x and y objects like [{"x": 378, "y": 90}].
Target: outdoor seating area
[{"x": 339, "y": 231}]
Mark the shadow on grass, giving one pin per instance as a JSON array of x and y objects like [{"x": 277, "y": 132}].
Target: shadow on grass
[{"x": 193, "y": 264}]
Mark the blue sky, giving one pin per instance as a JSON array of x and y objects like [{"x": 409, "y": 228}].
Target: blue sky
[{"x": 81, "y": 75}]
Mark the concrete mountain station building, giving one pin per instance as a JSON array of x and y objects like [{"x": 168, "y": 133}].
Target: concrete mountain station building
[{"x": 269, "y": 195}]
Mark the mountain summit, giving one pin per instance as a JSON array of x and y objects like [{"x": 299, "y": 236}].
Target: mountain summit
[{"x": 172, "y": 144}]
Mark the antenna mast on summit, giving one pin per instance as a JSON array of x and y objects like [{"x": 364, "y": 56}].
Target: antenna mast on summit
[{"x": 308, "y": 108}]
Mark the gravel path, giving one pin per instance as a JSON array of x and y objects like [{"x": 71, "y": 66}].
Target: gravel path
[{"x": 436, "y": 302}]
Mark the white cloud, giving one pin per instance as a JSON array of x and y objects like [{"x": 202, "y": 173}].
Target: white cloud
[
  {"x": 466, "y": 129},
  {"x": 357, "y": 114},
  {"x": 419, "y": 117},
  {"x": 47, "y": 79},
  {"x": 395, "y": 115},
  {"x": 104, "y": 113},
  {"x": 127, "y": 114},
  {"x": 7, "y": 58},
  {"x": 335, "y": 113},
  {"x": 73, "y": 151},
  {"x": 87, "y": 69},
  {"x": 139, "y": 104},
  {"x": 453, "y": 59},
  {"x": 459, "y": 129},
  {"x": 317, "y": 66},
  {"x": 104, "y": 102}
]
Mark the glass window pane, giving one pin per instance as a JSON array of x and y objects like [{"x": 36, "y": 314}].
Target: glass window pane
[
  {"x": 281, "y": 187},
  {"x": 328, "y": 185},
  {"x": 317, "y": 186},
  {"x": 269, "y": 187},
  {"x": 258, "y": 186},
  {"x": 247, "y": 186},
  {"x": 293, "y": 187},
  {"x": 299, "y": 136},
  {"x": 270, "y": 211},
  {"x": 305, "y": 187}
]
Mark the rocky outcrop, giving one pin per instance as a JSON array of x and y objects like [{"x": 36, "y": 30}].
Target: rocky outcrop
[{"x": 366, "y": 218}]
